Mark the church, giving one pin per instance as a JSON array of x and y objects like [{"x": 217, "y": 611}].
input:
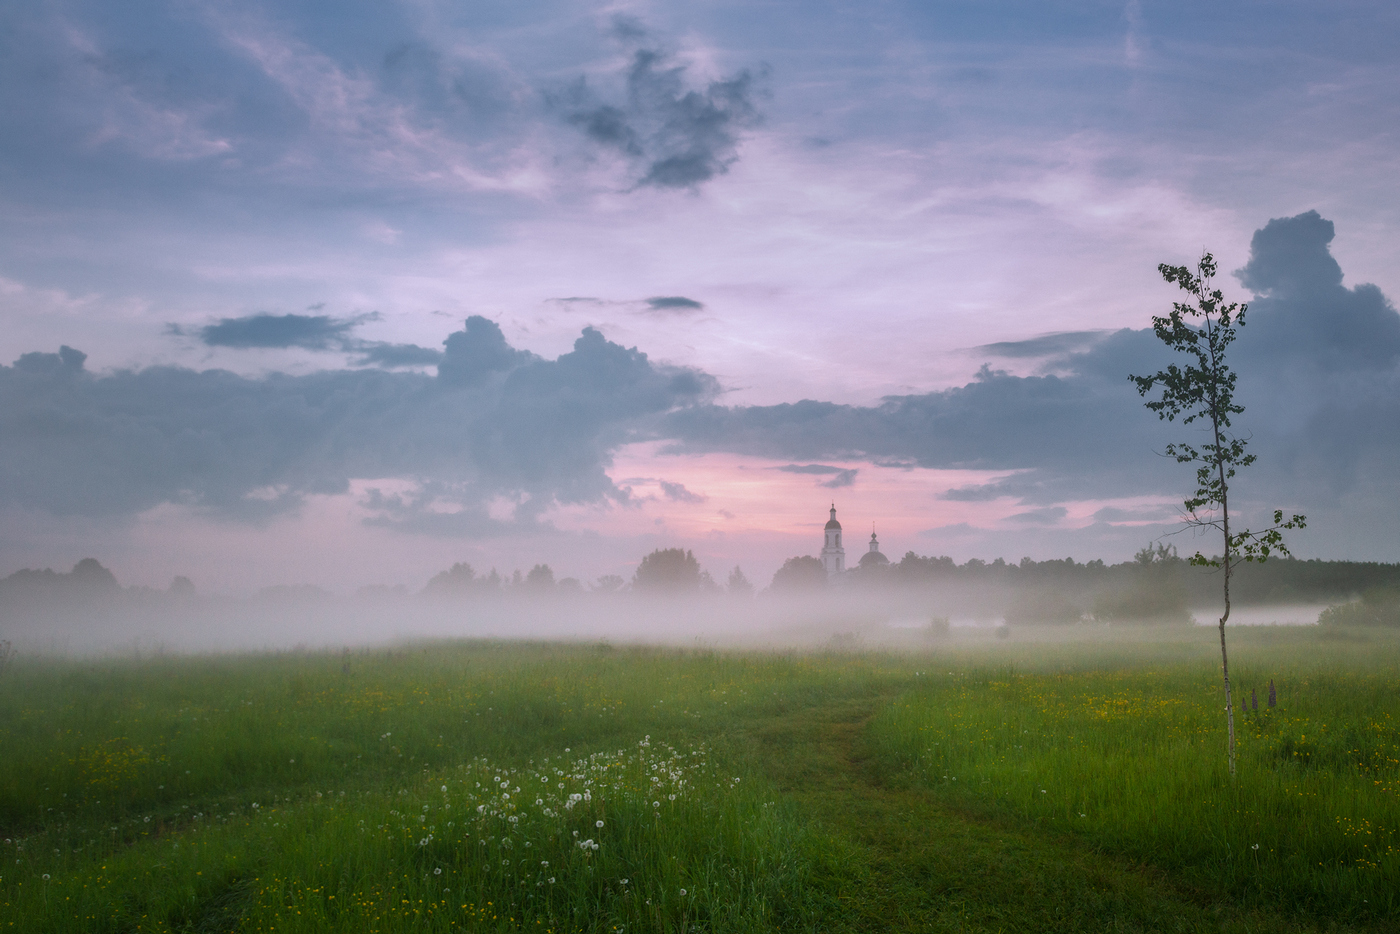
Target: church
[{"x": 834, "y": 554}]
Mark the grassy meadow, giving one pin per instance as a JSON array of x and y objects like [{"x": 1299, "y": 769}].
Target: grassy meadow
[{"x": 1058, "y": 781}]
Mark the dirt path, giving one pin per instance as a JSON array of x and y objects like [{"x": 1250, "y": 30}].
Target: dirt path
[{"x": 923, "y": 866}]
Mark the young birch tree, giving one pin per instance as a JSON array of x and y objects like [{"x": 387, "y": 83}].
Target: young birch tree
[{"x": 1204, "y": 391}]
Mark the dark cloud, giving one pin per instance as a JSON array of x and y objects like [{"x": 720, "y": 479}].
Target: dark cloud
[
  {"x": 1304, "y": 311},
  {"x": 312, "y": 332},
  {"x": 1290, "y": 255},
  {"x": 995, "y": 422},
  {"x": 674, "y": 303},
  {"x": 677, "y": 136},
  {"x": 478, "y": 351},
  {"x": 678, "y": 492},
  {"x": 496, "y": 424}
]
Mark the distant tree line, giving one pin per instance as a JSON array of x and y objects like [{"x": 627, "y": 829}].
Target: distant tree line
[{"x": 1155, "y": 585}]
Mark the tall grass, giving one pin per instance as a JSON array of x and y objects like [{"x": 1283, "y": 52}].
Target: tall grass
[
  {"x": 1133, "y": 759},
  {"x": 426, "y": 788},
  {"x": 306, "y": 793}
]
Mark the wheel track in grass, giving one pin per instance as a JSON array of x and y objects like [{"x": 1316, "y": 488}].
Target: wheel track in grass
[{"x": 927, "y": 867}]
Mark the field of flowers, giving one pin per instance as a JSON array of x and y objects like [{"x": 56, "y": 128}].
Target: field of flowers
[{"x": 507, "y": 787}]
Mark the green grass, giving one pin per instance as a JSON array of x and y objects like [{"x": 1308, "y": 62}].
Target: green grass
[
  {"x": 1132, "y": 760},
  {"x": 363, "y": 791}
]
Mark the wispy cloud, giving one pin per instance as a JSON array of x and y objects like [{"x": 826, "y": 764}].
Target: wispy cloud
[{"x": 678, "y": 493}]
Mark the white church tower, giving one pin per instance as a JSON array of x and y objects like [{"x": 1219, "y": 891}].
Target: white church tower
[{"x": 833, "y": 555}]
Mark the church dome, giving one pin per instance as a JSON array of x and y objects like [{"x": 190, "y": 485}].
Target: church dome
[
  {"x": 832, "y": 523},
  {"x": 872, "y": 559}
]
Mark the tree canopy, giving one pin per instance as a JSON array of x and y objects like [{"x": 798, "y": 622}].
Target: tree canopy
[
  {"x": 796, "y": 574},
  {"x": 669, "y": 571}
]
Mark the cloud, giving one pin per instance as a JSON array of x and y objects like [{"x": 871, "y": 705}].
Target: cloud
[
  {"x": 1318, "y": 374},
  {"x": 840, "y": 476},
  {"x": 392, "y": 356},
  {"x": 1112, "y": 514},
  {"x": 674, "y": 303},
  {"x": 478, "y": 351},
  {"x": 1049, "y": 515},
  {"x": 674, "y": 135},
  {"x": 499, "y": 425},
  {"x": 678, "y": 493},
  {"x": 312, "y": 332},
  {"x": 494, "y": 425},
  {"x": 810, "y": 468},
  {"x": 1046, "y": 345},
  {"x": 844, "y": 478},
  {"x": 1304, "y": 311}
]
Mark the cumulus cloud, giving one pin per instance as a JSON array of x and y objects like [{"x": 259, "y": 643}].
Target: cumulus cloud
[
  {"x": 495, "y": 425},
  {"x": 675, "y": 134},
  {"x": 1304, "y": 311}
]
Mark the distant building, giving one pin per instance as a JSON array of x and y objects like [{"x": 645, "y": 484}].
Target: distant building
[
  {"x": 833, "y": 555},
  {"x": 873, "y": 557}
]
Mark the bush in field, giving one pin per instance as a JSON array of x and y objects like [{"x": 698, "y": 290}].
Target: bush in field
[{"x": 1378, "y": 607}]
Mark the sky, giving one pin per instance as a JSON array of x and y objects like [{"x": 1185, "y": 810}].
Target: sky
[{"x": 345, "y": 293}]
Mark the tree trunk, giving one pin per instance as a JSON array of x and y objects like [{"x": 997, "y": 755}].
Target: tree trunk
[{"x": 1224, "y": 656}]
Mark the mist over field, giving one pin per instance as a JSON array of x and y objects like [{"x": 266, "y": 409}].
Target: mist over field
[{"x": 917, "y": 604}]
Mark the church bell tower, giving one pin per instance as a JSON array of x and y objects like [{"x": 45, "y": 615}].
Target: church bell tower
[{"x": 833, "y": 555}]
